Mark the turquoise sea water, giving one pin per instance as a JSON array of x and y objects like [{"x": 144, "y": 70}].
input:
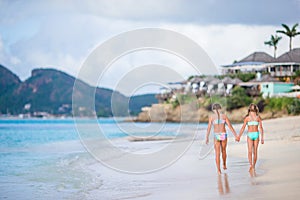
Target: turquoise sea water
[{"x": 44, "y": 158}]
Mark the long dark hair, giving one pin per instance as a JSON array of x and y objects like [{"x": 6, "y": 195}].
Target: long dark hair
[
  {"x": 217, "y": 107},
  {"x": 252, "y": 108}
]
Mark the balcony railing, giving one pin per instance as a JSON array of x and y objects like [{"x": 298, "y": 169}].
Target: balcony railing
[{"x": 282, "y": 73}]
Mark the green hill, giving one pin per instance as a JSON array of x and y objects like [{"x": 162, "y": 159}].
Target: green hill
[
  {"x": 8, "y": 84},
  {"x": 139, "y": 101},
  {"x": 50, "y": 90}
]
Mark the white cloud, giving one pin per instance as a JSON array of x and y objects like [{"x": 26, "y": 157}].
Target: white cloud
[
  {"x": 199, "y": 12},
  {"x": 61, "y": 34},
  {"x": 226, "y": 43},
  {"x": 140, "y": 68},
  {"x": 5, "y": 58}
]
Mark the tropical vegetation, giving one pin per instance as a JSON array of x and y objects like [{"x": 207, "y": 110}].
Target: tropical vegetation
[
  {"x": 290, "y": 32},
  {"x": 273, "y": 42},
  {"x": 283, "y": 104}
]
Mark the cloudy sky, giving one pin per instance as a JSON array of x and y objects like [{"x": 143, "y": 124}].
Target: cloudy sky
[{"x": 61, "y": 34}]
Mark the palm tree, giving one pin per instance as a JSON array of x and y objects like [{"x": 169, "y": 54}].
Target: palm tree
[
  {"x": 273, "y": 42},
  {"x": 289, "y": 32}
]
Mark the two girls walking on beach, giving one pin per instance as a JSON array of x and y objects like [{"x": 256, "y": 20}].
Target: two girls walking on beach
[{"x": 218, "y": 121}]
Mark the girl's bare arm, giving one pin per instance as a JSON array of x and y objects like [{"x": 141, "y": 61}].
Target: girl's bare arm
[
  {"x": 208, "y": 129},
  {"x": 261, "y": 130},
  {"x": 243, "y": 127},
  {"x": 230, "y": 126}
]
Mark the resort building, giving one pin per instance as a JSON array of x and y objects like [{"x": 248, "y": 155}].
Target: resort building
[
  {"x": 198, "y": 86},
  {"x": 284, "y": 66},
  {"x": 269, "y": 71},
  {"x": 253, "y": 63},
  {"x": 271, "y": 89},
  {"x": 266, "y": 85}
]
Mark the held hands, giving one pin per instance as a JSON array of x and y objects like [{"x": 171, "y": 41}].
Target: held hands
[
  {"x": 262, "y": 141},
  {"x": 237, "y": 138},
  {"x": 206, "y": 141}
]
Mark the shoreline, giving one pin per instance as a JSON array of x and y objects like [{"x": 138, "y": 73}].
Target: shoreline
[
  {"x": 265, "y": 117},
  {"x": 189, "y": 177},
  {"x": 276, "y": 176}
]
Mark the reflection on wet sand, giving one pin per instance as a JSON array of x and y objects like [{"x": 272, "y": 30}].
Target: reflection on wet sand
[
  {"x": 223, "y": 185},
  {"x": 253, "y": 175}
]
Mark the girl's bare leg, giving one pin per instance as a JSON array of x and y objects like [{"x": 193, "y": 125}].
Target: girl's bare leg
[
  {"x": 224, "y": 155},
  {"x": 250, "y": 148},
  {"x": 255, "y": 142},
  {"x": 217, "y": 152}
]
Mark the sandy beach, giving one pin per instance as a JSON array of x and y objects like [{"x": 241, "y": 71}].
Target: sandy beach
[
  {"x": 66, "y": 170},
  {"x": 279, "y": 160},
  {"x": 276, "y": 177}
]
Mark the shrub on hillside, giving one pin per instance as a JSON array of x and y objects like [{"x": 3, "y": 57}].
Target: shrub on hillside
[
  {"x": 278, "y": 103},
  {"x": 294, "y": 107},
  {"x": 238, "y": 99},
  {"x": 182, "y": 99}
]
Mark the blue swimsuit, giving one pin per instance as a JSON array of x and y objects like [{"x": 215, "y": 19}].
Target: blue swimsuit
[{"x": 253, "y": 135}]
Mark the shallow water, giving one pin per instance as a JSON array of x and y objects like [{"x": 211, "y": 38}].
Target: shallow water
[{"x": 45, "y": 159}]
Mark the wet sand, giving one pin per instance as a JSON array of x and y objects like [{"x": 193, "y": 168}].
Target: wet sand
[
  {"x": 279, "y": 159},
  {"x": 276, "y": 177}
]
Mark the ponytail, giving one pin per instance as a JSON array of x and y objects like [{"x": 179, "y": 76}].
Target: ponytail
[{"x": 217, "y": 107}]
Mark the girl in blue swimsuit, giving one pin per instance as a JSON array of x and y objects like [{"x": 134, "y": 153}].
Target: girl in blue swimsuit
[
  {"x": 254, "y": 123},
  {"x": 218, "y": 121}
]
